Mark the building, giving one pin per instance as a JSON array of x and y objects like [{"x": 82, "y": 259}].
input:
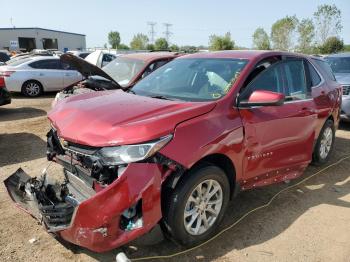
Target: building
[{"x": 29, "y": 38}]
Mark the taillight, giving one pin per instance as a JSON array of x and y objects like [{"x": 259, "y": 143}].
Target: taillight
[
  {"x": 6, "y": 73},
  {"x": 2, "y": 82}
]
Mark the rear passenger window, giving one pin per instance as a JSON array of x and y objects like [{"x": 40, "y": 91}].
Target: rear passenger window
[
  {"x": 46, "y": 64},
  {"x": 326, "y": 68},
  {"x": 296, "y": 79},
  {"x": 314, "y": 76}
]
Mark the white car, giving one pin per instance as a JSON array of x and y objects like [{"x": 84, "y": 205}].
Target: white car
[
  {"x": 100, "y": 58},
  {"x": 37, "y": 74}
]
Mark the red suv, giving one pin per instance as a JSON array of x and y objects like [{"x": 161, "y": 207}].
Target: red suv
[{"x": 177, "y": 147}]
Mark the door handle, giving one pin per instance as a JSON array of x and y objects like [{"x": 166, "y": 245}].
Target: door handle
[{"x": 41, "y": 74}]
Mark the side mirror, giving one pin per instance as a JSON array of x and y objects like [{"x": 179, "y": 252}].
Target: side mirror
[{"x": 263, "y": 98}]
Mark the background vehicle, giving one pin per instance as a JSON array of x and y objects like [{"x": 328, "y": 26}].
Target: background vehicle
[
  {"x": 340, "y": 64},
  {"x": 81, "y": 54},
  {"x": 4, "y": 56},
  {"x": 100, "y": 58},
  {"x": 34, "y": 75},
  {"x": 178, "y": 147},
  {"x": 121, "y": 73}
]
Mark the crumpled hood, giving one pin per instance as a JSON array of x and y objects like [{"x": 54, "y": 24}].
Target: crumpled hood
[
  {"x": 115, "y": 117},
  {"x": 343, "y": 78}
]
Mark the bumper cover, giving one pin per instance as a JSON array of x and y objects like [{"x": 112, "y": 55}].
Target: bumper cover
[{"x": 95, "y": 222}]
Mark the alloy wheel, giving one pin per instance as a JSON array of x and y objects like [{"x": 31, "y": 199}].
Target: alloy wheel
[{"x": 326, "y": 142}]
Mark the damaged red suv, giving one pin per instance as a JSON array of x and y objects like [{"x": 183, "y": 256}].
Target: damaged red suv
[{"x": 178, "y": 146}]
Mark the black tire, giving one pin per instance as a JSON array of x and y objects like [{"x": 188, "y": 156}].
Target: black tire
[
  {"x": 317, "y": 157},
  {"x": 32, "y": 88},
  {"x": 176, "y": 203}
]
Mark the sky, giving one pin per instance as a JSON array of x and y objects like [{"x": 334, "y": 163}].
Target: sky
[{"x": 193, "y": 21}]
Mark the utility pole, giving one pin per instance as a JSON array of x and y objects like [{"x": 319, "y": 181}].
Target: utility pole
[
  {"x": 167, "y": 32},
  {"x": 152, "y": 33}
]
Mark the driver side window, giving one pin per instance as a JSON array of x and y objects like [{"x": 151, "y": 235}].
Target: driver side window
[{"x": 271, "y": 79}]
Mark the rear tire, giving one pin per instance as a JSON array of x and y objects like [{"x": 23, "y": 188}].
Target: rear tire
[
  {"x": 32, "y": 88},
  {"x": 193, "y": 212},
  {"x": 325, "y": 144}
]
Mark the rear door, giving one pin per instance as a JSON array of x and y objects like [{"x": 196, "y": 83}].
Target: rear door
[
  {"x": 70, "y": 75},
  {"x": 278, "y": 138},
  {"x": 49, "y": 73}
]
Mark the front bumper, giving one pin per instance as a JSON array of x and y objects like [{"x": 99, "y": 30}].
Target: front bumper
[
  {"x": 95, "y": 223},
  {"x": 345, "y": 108}
]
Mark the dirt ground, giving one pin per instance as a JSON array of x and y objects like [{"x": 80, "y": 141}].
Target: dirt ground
[{"x": 308, "y": 223}]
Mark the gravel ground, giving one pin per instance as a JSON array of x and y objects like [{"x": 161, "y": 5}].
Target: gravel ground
[{"x": 308, "y": 223}]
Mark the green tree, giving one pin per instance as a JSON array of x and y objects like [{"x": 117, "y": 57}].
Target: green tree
[
  {"x": 174, "y": 48},
  {"x": 328, "y": 22},
  {"x": 139, "y": 42},
  {"x": 161, "y": 44},
  {"x": 282, "y": 33},
  {"x": 261, "y": 39},
  {"x": 332, "y": 45},
  {"x": 221, "y": 42},
  {"x": 114, "y": 39},
  {"x": 123, "y": 47},
  {"x": 306, "y": 30},
  {"x": 150, "y": 47},
  {"x": 189, "y": 49}
]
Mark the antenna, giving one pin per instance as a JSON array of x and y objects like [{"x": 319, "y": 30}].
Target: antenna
[
  {"x": 11, "y": 21},
  {"x": 152, "y": 33},
  {"x": 167, "y": 32}
]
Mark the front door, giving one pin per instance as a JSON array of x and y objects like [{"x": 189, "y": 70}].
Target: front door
[{"x": 278, "y": 138}]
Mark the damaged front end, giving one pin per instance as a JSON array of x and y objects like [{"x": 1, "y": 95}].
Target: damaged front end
[{"x": 90, "y": 200}]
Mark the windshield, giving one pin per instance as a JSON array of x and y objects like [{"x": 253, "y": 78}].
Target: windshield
[
  {"x": 339, "y": 64},
  {"x": 123, "y": 69},
  {"x": 199, "y": 79}
]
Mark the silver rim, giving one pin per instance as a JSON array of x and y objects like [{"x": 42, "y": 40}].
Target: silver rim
[
  {"x": 203, "y": 207},
  {"x": 32, "y": 89},
  {"x": 326, "y": 142}
]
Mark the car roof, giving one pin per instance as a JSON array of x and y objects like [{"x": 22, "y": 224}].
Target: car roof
[
  {"x": 345, "y": 54},
  {"x": 149, "y": 56},
  {"x": 241, "y": 54},
  {"x": 35, "y": 57}
]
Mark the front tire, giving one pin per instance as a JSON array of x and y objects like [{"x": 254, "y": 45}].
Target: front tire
[
  {"x": 32, "y": 88},
  {"x": 325, "y": 144},
  {"x": 197, "y": 205}
]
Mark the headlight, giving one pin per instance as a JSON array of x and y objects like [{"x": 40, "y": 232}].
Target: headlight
[{"x": 131, "y": 153}]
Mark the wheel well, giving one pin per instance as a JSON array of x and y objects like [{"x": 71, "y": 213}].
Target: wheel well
[{"x": 330, "y": 118}]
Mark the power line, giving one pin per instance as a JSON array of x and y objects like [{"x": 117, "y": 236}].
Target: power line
[
  {"x": 152, "y": 33},
  {"x": 167, "y": 32}
]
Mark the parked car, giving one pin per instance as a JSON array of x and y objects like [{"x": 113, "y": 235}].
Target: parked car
[
  {"x": 34, "y": 75},
  {"x": 178, "y": 146},
  {"x": 81, "y": 54},
  {"x": 340, "y": 64},
  {"x": 100, "y": 58},
  {"x": 122, "y": 73},
  {"x": 5, "y": 97},
  {"x": 4, "y": 56}
]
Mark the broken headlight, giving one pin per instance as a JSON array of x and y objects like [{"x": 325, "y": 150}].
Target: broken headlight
[{"x": 131, "y": 153}]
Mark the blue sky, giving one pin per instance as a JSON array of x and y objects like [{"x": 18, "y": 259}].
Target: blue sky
[{"x": 193, "y": 20}]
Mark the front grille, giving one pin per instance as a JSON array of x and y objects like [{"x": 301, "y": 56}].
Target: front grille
[
  {"x": 346, "y": 90},
  {"x": 58, "y": 215}
]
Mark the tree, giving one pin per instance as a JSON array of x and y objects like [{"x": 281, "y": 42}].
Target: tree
[
  {"x": 123, "y": 47},
  {"x": 161, "y": 44},
  {"x": 114, "y": 39},
  {"x": 328, "y": 22},
  {"x": 282, "y": 33},
  {"x": 174, "y": 48},
  {"x": 139, "y": 42},
  {"x": 150, "y": 47},
  {"x": 221, "y": 42},
  {"x": 261, "y": 40},
  {"x": 332, "y": 45},
  {"x": 306, "y": 30}
]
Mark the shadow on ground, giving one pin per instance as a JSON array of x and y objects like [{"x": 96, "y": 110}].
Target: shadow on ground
[
  {"x": 263, "y": 225},
  {"x": 20, "y": 147},
  {"x": 12, "y": 114},
  {"x": 45, "y": 95}
]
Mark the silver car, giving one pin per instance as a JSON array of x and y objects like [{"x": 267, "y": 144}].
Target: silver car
[
  {"x": 34, "y": 75},
  {"x": 340, "y": 64}
]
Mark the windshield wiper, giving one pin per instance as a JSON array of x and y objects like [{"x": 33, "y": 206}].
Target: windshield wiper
[
  {"x": 162, "y": 97},
  {"x": 131, "y": 91}
]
